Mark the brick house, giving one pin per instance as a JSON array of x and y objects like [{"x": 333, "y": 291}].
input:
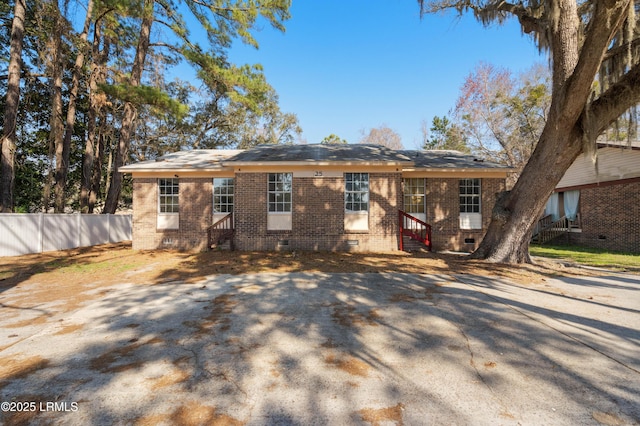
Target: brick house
[
  {"x": 313, "y": 197},
  {"x": 601, "y": 199}
]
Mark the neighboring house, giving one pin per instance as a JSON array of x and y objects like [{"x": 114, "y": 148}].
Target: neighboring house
[
  {"x": 601, "y": 199},
  {"x": 312, "y": 197}
]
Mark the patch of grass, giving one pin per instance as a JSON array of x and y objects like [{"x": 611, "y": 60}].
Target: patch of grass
[
  {"x": 589, "y": 256},
  {"x": 114, "y": 266}
]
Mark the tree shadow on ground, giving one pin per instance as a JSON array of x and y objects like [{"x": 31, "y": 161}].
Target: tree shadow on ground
[
  {"x": 231, "y": 262},
  {"x": 18, "y": 269},
  {"x": 328, "y": 347}
]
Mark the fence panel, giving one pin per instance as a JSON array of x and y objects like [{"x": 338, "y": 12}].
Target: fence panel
[
  {"x": 119, "y": 228},
  {"x": 19, "y": 234},
  {"x": 94, "y": 230},
  {"x": 35, "y": 233},
  {"x": 59, "y": 232}
]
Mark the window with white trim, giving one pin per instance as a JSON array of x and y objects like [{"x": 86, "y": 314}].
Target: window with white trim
[
  {"x": 356, "y": 192},
  {"x": 414, "y": 195},
  {"x": 279, "y": 192},
  {"x": 469, "y": 195},
  {"x": 470, "y": 213},
  {"x": 223, "y": 195},
  {"x": 168, "y": 196}
]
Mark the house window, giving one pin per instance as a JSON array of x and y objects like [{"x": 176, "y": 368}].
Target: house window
[
  {"x": 168, "y": 195},
  {"x": 469, "y": 195},
  {"x": 168, "y": 204},
  {"x": 470, "y": 216},
  {"x": 280, "y": 192},
  {"x": 414, "y": 195},
  {"x": 279, "y": 188},
  {"x": 565, "y": 204},
  {"x": 222, "y": 195},
  {"x": 356, "y": 202},
  {"x": 356, "y": 193}
]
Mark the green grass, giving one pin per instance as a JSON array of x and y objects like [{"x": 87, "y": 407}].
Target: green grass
[
  {"x": 589, "y": 256},
  {"x": 111, "y": 265}
]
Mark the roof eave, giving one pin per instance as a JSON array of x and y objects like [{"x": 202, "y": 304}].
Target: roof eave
[
  {"x": 126, "y": 169},
  {"x": 459, "y": 169},
  {"x": 316, "y": 163}
]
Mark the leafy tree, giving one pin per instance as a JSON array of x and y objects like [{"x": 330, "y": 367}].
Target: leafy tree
[
  {"x": 130, "y": 111},
  {"x": 587, "y": 41},
  {"x": 443, "y": 134},
  {"x": 384, "y": 136},
  {"x": 333, "y": 139},
  {"x": 32, "y": 129},
  {"x": 222, "y": 21},
  {"x": 109, "y": 101},
  {"x": 99, "y": 129},
  {"x": 216, "y": 123}
]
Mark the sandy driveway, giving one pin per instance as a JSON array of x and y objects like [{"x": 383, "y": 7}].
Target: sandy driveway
[{"x": 318, "y": 348}]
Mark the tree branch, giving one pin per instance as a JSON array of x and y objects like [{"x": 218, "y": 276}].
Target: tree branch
[
  {"x": 600, "y": 31},
  {"x": 25, "y": 74},
  {"x": 621, "y": 50},
  {"x": 487, "y": 12},
  {"x": 528, "y": 21},
  {"x": 167, "y": 46},
  {"x": 617, "y": 99}
]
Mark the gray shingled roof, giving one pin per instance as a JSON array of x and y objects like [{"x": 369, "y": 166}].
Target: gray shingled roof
[
  {"x": 442, "y": 159},
  {"x": 217, "y": 159},
  {"x": 320, "y": 153},
  {"x": 197, "y": 159}
]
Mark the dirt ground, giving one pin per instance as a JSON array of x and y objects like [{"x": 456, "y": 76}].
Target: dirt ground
[
  {"x": 55, "y": 283},
  {"x": 76, "y": 273}
]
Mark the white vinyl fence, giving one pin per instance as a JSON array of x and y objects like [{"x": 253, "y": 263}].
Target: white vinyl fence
[{"x": 36, "y": 233}]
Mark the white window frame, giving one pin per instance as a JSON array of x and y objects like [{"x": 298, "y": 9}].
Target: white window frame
[
  {"x": 279, "y": 201},
  {"x": 356, "y": 189},
  {"x": 276, "y": 187},
  {"x": 356, "y": 196},
  {"x": 470, "y": 199},
  {"x": 414, "y": 188},
  {"x": 168, "y": 212},
  {"x": 225, "y": 187}
]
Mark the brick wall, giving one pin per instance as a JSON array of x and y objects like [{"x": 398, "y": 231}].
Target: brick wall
[
  {"x": 145, "y": 206},
  {"x": 610, "y": 218},
  {"x": 443, "y": 213},
  {"x": 195, "y": 215},
  {"x": 250, "y": 207},
  {"x": 196, "y": 209},
  {"x": 318, "y": 215}
]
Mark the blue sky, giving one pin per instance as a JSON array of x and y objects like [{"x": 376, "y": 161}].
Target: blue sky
[{"x": 347, "y": 66}]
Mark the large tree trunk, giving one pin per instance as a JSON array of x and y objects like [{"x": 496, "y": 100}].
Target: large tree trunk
[
  {"x": 50, "y": 176},
  {"x": 88, "y": 162},
  {"x": 516, "y": 212},
  {"x": 568, "y": 125},
  {"x": 96, "y": 177},
  {"x": 56, "y": 124},
  {"x": 96, "y": 103},
  {"x": 8, "y": 143},
  {"x": 130, "y": 111},
  {"x": 75, "y": 83}
]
